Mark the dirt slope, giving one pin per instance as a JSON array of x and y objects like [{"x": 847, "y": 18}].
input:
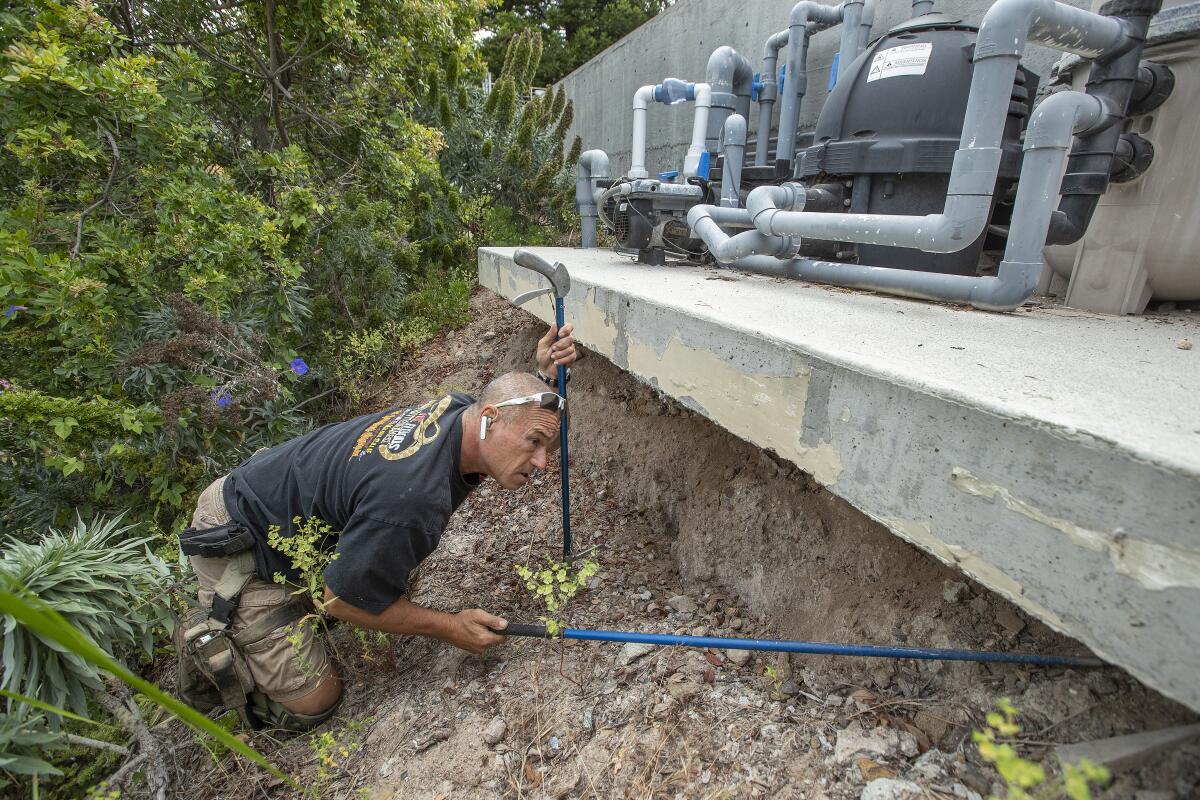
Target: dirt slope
[{"x": 695, "y": 532}]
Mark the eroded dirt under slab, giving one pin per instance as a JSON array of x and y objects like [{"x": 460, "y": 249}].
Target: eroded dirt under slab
[{"x": 695, "y": 532}]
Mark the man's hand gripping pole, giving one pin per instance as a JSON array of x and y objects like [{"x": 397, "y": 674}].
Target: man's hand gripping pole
[{"x": 560, "y": 284}]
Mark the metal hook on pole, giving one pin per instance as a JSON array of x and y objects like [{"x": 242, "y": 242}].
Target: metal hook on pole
[{"x": 560, "y": 284}]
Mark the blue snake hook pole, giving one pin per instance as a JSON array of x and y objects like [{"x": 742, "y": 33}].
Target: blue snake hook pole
[
  {"x": 812, "y": 648},
  {"x": 560, "y": 282}
]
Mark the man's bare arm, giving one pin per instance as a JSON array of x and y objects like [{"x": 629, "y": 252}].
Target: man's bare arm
[{"x": 469, "y": 630}]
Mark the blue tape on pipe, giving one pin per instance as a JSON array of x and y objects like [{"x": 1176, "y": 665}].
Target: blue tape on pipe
[{"x": 833, "y": 71}]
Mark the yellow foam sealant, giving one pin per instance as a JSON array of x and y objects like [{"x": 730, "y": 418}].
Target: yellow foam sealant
[
  {"x": 765, "y": 410},
  {"x": 1153, "y": 565}
]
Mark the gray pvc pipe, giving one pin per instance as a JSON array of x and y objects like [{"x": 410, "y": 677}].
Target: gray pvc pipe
[
  {"x": 1001, "y": 40},
  {"x": 864, "y": 28},
  {"x": 796, "y": 81},
  {"x": 591, "y": 167},
  {"x": 852, "y": 14},
  {"x": 730, "y": 76},
  {"x": 768, "y": 93},
  {"x": 725, "y": 248},
  {"x": 1047, "y": 145},
  {"x": 735, "y": 150},
  {"x": 920, "y": 7}
]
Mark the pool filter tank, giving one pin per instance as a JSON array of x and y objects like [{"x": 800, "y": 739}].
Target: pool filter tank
[{"x": 889, "y": 131}]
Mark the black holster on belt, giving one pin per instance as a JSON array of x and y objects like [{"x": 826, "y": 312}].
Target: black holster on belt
[{"x": 212, "y": 669}]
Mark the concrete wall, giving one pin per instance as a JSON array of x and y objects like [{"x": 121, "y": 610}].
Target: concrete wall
[{"x": 677, "y": 44}]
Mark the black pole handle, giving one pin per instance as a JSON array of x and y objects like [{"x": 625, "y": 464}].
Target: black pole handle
[{"x": 520, "y": 629}]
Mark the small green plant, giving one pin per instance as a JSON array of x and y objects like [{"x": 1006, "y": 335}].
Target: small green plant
[
  {"x": 1025, "y": 780},
  {"x": 331, "y": 749},
  {"x": 555, "y": 584},
  {"x": 772, "y": 674},
  {"x": 305, "y": 549}
]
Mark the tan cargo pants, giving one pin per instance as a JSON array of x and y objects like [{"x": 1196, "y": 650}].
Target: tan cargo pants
[{"x": 285, "y": 668}]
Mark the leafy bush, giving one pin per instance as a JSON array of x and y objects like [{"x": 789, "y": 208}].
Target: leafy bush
[
  {"x": 1024, "y": 779},
  {"x": 212, "y": 217},
  {"x": 22, "y": 741},
  {"x": 505, "y": 153},
  {"x": 105, "y": 583}
]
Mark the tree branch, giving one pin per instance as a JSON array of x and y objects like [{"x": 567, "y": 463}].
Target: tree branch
[
  {"x": 96, "y": 743},
  {"x": 112, "y": 173},
  {"x": 157, "y": 777}
]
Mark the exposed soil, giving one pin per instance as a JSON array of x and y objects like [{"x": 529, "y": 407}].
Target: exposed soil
[{"x": 695, "y": 532}]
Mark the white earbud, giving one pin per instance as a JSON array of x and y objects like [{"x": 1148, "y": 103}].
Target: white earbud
[{"x": 484, "y": 421}]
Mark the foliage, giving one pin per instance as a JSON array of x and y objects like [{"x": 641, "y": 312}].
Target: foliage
[
  {"x": 33, "y": 615},
  {"x": 554, "y": 585},
  {"x": 213, "y": 216},
  {"x": 103, "y": 581},
  {"x": 22, "y": 740},
  {"x": 330, "y": 750},
  {"x": 307, "y": 549},
  {"x": 196, "y": 196},
  {"x": 504, "y": 151},
  {"x": 575, "y": 30},
  {"x": 1025, "y": 780}
]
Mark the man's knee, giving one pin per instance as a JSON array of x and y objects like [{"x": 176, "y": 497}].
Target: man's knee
[
  {"x": 302, "y": 713},
  {"x": 322, "y": 698}
]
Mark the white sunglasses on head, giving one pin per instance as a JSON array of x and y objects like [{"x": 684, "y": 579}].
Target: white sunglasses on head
[{"x": 550, "y": 401}]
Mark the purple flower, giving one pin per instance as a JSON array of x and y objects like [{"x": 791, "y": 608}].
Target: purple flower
[
  {"x": 11, "y": 311},
  {"x": 4, "y": 385},
  {"x": 221, "y": 397},
  {"x": 298, "y": 366}
]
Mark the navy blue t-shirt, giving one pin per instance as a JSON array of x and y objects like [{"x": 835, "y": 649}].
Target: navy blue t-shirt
[{"x": 387, "y": 481}]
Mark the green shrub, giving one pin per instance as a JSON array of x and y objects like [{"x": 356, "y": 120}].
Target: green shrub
[{"x": 102, "y": 579}]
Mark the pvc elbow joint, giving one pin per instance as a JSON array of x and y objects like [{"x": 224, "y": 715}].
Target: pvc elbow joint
[
  {"x": 961, "y": 224},
  {"x": 764, "y": 202}
]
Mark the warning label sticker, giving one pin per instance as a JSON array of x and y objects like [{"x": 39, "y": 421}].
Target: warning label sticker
[{"x": 907, "y": 59}]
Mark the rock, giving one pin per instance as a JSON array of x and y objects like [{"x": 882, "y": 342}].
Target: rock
[
  {"x": 1101, "y": 684},
  {"x": 789, "y": 689},
  {"x": 980, "y": 605},
  {"x": 891, "y": 789},
  {"x": 588, "y": 720},
  {"x": 934, "y": 726},
  {"x": 973, "y": 777},
  {"x": 852, "y": 742},
  {"x": 963, "y": 792},
  {"x": 645, "y": 595},
  {"x": 485, "y": 355},
  {"x": 1010, "y": 620},
  {"x": 907, "y": 744},
  {"x": 489, "y": 334},
  {"x": 632, "y": 652},
  {"x": 495, "y": 731},
  {"x": 870, "y": 769},
  {"x": 954, "y": 591},
  {"x": 682, "y": 603},
  {"x": 738, "y": 658},
  {"x": 934, "y": 766},
  {"x": 1153, "y": 794},
  {"x": 736, "y": 623}
]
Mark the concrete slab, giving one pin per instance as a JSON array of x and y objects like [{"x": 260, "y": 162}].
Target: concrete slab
[{"x": 1052, "y": 455}]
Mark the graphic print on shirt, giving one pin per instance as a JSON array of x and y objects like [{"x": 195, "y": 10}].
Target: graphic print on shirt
[{"x": 401, "y": 433}]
